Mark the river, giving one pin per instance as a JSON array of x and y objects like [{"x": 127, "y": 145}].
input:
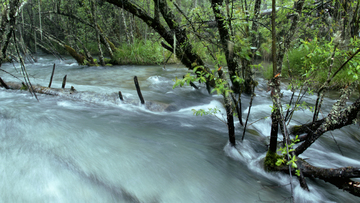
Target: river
[{"x": 90, "y": 150}]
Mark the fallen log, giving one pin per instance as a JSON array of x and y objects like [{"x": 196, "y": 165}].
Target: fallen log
[
  {"x": 340, "y": 177},
  {"x": 71, "y": 93}
]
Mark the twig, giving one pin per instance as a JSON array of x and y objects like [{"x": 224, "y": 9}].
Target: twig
[
  {"x": 23, "y": 69},
  {"x": 52, "y": 75},
  {"x": 247, "y": 117}
]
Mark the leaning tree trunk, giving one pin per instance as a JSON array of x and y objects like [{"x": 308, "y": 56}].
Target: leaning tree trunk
[{"x": 226, "y": 43}]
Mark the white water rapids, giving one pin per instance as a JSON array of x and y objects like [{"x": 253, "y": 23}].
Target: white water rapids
[{"x": 74, "y": 150}]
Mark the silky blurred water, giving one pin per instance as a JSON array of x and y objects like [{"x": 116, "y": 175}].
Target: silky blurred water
[{"x": 79, "y": 150}]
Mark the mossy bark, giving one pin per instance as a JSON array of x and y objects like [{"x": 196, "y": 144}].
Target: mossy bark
[{"x": 79, "y": 58}]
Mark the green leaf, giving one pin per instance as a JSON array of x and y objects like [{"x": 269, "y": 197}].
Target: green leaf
[{"x": 279, "y": 162}]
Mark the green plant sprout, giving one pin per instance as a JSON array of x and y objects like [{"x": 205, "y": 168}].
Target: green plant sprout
[{"x": 292, "y": 159}]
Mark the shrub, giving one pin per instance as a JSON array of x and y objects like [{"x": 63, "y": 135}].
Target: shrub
[{"x": 311, "y": 60}]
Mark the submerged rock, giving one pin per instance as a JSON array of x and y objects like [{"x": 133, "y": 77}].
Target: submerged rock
[{"x": 159, "y": 107}]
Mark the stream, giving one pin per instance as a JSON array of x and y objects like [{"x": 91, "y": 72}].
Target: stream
[{"x": 87, "y": 149}]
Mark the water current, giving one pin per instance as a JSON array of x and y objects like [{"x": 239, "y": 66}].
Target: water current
[{"x": 87, "y": 149}]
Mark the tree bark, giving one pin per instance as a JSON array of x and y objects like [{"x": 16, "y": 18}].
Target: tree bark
[
  {"x": 9, "y": 26},
  {"x": 340, "y": 177},
  {"x": 229, "y": 110},
  {"x": 226, "y": 43},
  {"x": 274, "y": 87},
  {"x": 138, "y": 90},
  {"x": 306, "y": 128}
]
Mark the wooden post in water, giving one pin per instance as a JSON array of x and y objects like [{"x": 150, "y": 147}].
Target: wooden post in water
[
  {"x": 52, "y": 75},
  {"x": 138, "y": 90},
  {"x": 64, "y": 82},
  {"x": 120, "y": 96}
]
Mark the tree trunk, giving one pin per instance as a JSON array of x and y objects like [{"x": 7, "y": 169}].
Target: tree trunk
[
  {"x": 274, "y": 87},
  {"x": 226, "y": 44},
  {"x": 229, "y": 111},
  {"x": 101, "y": 57},
  {"x": 8, "y": 23},
  {"x": 126, "y": 27}
]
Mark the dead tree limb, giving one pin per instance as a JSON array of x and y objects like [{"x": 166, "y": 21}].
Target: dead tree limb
[
  {"x": 340, "y": 177},
  {"x": 64, "y": 82},
  {"x": 306, "y": 128},
  {"x": 120, "y": 96},
  {"x": 138, "y": 90},
  {"x": 52, "y": 75},
  {"x": 333, "y": 121}
]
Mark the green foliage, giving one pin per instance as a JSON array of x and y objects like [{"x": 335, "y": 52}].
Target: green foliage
[
  {"x": 202, "y": 112},
  {"x": 285, "y": 151},
  {"x": 186, "y": 80},
  {"x": 267, "y": 71},
  {"x": 221, "y": 86},
  {"x": 140, "y": 53},
  {"x": 312, "y": 59}
]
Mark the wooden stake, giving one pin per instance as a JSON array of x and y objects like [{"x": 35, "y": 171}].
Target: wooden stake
[
  {"x": 138, "y": 90},
  {"x": 64, "y": 82},
  {"x": 120, "y": 96},
  {"x": 52, "y": 75}
]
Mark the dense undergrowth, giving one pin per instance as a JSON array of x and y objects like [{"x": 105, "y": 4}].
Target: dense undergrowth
[
  {"x": 142, "y": 52},
  {"x": 316, "y": 60}
]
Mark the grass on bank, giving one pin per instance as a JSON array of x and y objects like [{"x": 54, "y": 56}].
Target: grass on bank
[
  {"x": 311, "y": 61},
  {"x": 142, "y": 53}
]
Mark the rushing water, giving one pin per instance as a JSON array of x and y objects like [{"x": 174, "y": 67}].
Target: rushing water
[{"x": 91, "y": 150}]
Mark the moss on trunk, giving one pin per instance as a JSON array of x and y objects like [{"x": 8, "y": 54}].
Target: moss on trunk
[
  {"x": 78, "y": 57},
  {"x": 270, "y": 161}
]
